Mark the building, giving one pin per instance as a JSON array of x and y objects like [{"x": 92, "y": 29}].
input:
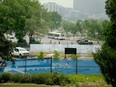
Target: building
[
  {"x": 53, "y": 7},
  {"x": 90, "y": 6},
  {"x": 95, "y": 8}
]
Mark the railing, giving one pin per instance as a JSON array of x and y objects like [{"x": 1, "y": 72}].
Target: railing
[{"x": 88, "y": 67}]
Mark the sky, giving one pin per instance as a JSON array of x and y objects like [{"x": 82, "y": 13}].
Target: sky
[{"x": 64, "y": 3}]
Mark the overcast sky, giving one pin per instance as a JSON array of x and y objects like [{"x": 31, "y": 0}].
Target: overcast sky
[{"x": 65, "y": 3}]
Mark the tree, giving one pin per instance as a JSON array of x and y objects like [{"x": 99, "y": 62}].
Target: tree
[
  {"x": 5, "y": 48},
  {"x": 93, "y": 28},
  {"x": 23, "y": 17},
  {"x": 111, "y": 32},
  {"x": 79, "y": 25},
  {"x": 33, "y": 23},
  {"x": 70, "y": 27},
  {"x": 6, "y": 24},
  {"x": 106, "y": 57},
  {"x": 55, "y": 20},
  {"x": 66, "y": 26}
]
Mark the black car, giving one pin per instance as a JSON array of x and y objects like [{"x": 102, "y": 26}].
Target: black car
[{"x": 84, "y": 42}]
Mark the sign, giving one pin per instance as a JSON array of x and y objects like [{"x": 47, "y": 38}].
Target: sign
[{"x": 70, "y": 51}]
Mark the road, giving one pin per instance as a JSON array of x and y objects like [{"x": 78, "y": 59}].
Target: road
[{"x": 53, "y": 41}]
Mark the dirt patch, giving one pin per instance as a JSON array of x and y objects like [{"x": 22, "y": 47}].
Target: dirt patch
[{"x": 85, "y": 56}]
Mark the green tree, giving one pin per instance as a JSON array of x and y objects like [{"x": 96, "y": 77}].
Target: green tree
[
  {"x": 66, "y": 26},
  {"x": 93, "y": 28},
  {"x": 106, "y": 57},
  {"x": 111, "y": 32},
  {"x": 33, "y": 23},
  {"x": 6, "y": 22},
  {"x": 56, "y": 20},
  {"x": 73, "y": 29},
  {"x": 69, "y": 27},
  {"x": 5, "y": 48},
  {"x": 6, "y": 25},
  {"x": 79, "y": 25},
  {"x": 23, "y": 17}
]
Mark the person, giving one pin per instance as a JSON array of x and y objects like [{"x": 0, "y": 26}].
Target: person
[{"x": 2, "y": 64}]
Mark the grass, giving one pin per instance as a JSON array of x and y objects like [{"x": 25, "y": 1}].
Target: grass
[
  {"x": 37, "y": 53},
  {"x": 86, "y": 78},
  {"x": 88, "y": 81},
  {"x": 21, "y": 85},
  {"x": 93, "y": 39},
  {"x": 76, "y": 81},
  {"x": 62, "y": 55}
]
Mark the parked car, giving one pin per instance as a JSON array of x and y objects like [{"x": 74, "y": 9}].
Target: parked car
[
  {"x": 19, "y": 51},
  {"x": 84, "y": 42}
]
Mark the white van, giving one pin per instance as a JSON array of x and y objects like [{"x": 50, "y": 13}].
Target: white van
[
  {"x": 19, "y": 51},
  {"x": 55, "y": 35}
]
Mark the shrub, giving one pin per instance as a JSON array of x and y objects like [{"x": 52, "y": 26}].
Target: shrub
[
  {"x": 74, "y": 57},
  {"x": 41, "y": 78},
  {"x": 45, "y": 78},
  {"x": 41, "y": 55},
  {"x": 60, "y": 79},
  {"x": 15, "y": 78},
  {"x": 106, "y": 58},
  {"x": 49, "y": 80},
  {"x": 25, "y": 78},
  {"x": 64, "y": 80},
  {"x": 56, "y": 55},
  {"x": 38, "y": 78},
  {"x": 21, "y": 78},
  {"x": 5, "y": 77}
]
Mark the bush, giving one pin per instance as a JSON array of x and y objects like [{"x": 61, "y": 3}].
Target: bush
[
  {"x": 64, "y": 80},
  {"x": 73, "y": 57},
  {"x": 39, "y": 78},
  {"x": 56, "y": 55},
  {"x": 106, "y": 58},
  {"x": 25, "y": 78},
  {"x": 5, "y": 77},
  {"x": 41, "y": 55},
  {"x": 60, "y": 79},
  {"x": 45, "y": 78}
]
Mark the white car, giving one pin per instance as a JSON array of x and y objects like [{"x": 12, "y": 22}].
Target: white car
[{"x": 19, "y": 51}]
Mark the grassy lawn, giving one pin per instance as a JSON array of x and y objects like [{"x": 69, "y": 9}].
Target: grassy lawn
[
  {"x": 79, "y": 84},
  {"x": 62, "y": 55},
  {"x": 88, "y": 81},
  {"x": 22, "y": 85},
  {"x": 77, "y": 81}
]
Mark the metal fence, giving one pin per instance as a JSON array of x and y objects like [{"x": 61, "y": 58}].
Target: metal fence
[{"x": 30, "y": 66}]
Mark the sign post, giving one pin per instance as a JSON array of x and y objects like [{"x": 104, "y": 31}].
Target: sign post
[
  {"x": 72, "y": 51},
  {"x": 25, "y": 58}
]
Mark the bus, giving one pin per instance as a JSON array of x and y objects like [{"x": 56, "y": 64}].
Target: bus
[{"x": 55, "y": 35}]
